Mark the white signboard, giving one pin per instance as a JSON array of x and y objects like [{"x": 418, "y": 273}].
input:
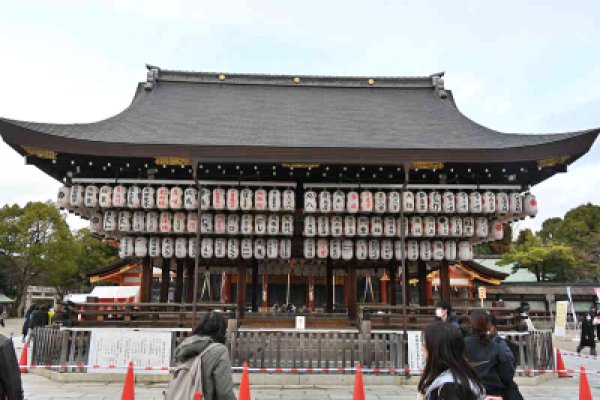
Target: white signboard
[
  {"x": 119, "y": 346},
  {"x": 560, "y": 322},
  {"x": 416, "y": 359},
  {"x": 300, "y": 322}
]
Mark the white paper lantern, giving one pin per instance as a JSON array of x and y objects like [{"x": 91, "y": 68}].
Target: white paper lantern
[
  {"x": 475, "y": 203},
  {"x": 273, "y": 224},
  {"x": 165, "y": 223},
  {"x": 450, "y": 250},
  {"x": 489, "y": 202},
  {"x": 322, "y": 248},
  {"x": 366, "y": 201},
  {"x": 139, "y": 221},
  {"x": 349, "y": 226},
  {"x": 220, "y": 247},
  {"x": 338, "y": 201},
  {"x": 456, "y": 226},
  {"x": 246, "y": 199},
  {"x": 233, "y": 199},
  {"x": 77, "y": 196},
  {"x": 218, "y": 199},
  {"x": 309, "y": 249},
  {"x": 154, "y": 247},
  {"x": 465, "y": 251},
  {"x": 190, "y": 198},
  {"x": 247, "y": 248},
  {"x": 443, "y": 226},
  {"x": 502, "y": 203},
  {"x": 516, "y": 204},
  {"x": 260, "y": 224},
  {"x": 96, "y": 222},
  {"x": 416, "y": 226},
  {"x": 481, "y": 227},
  {"x": 141, "y": 246},
  {"x": 497, "y": 230},
  {"x": 162, "y": 198},
  {"x": 374, "y": 249},
  {"x": 119, "y": 196},
  {"x": 325, "y": 201},
  {"x": 110, "y": 221},
  {"x": 389, "y": 226},
  {"x": 272, "y": 248},
  {"x": 310, "y": 201},
  {"x": 398, "y": 250},
  {"x": 362, "y": 249},
  {"x": 285, "y": 249},
  {"x": 207, "y": 248},
  {"x": 260, "y": 200},
  {"x": 337, "y": 226},
  {"x": 310, "y": 226},
  {"x": 152, "y": 221},
  {"x": 362, "y": 226},
  {"x": 124, "y": 222},
  {"x": 247, "y": 224},
  {"x": 64, "y": 196},
  {"x": 167, "y": 249},
  {"x": 148, "y": 196},
  {"x": 387, "y": 250},
  {"x": 335, "y": 249},
  {"x": 408, "y": 199},
  {"x": 233, "y": 248},
  {"x": 376, "y": 226},
  {"x": 323, "y": 226},
  {"x": 435, "y": 202},
  {"x": 438, "y": 250},
  {"x": 347, "y": 250},
  {"x": 220, "y": 224},
  {"x": 274, "y": 200},
  {"x": 352, "y": 202},
  {"x": 462, "y": 202},
  {"x": 192, "y": 247},
  {"x": 448, "y": 202},
  {"x": 90, "y": 196},
  {"x": 288, "y": 200},
  {"x": 176, "y": 198},
  {"x": 205, "y": 197},
  {"x": 287, "y": 224},
  {"x": 380, "y": 202},
  {"x": 468, "y": 226},
  {"x": 412, "y": 250},
  {"x": 429, "y": 226},
  {"x": 425, "y": 252},
  {"x": 105, "y": 197},
  {"x": 393, "y": 202},
  {"x": 134, "y": 197},
  {"x": 402, "y": 224},
  {"x": 179, "y": 222},
  {"x": 192, "y": 222},
  {"x": 421, "y": 202},
  {"x": 233, "y": 224},
  {"x": 126, "y": 247},
  {"x": 181, "y": 246},
  {"x": 530, "y": 205},
  {"x": 206, "y": 223}
]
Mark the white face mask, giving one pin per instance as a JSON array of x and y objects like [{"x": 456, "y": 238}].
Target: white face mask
[{"x": 438, "y": 312}]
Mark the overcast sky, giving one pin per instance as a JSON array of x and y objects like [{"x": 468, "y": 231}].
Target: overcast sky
[{"x": 514, "y": 67}]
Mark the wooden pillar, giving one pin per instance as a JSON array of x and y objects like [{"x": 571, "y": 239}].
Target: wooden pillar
[
  {"x": 310, "y": 295},
  {"x": 190, "y": 281},
  {"x": 178, "y": 295},
  {"x": 444, "y": 281},
  {"x": 255, "y": 287},
  {"x": 146, "y": 280},
  {"x": 241, "y": 290},
  {"x": 352, "y": 296},
  {"x": 329, "y": 287},
  {"x": 406, "y": 286},
  {"x": 392, "y": 286},
  {"x": 346, "y": 290},
  {"x": 165, "y": 280},
  {"x": 423, "y": 289},
  {"x": 265, "y": 291},
  {"x": 225, "y": 288},
  {"x": 383, "y": 288}
]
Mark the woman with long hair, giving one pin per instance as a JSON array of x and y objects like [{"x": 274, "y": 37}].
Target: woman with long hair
[{"x": 447, "y": 374}]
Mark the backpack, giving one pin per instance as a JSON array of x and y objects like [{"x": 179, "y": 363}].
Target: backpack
[{"x": 187, "y": 378}]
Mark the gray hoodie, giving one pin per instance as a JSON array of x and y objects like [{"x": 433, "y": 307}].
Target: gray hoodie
[{"x": 216, "y": 366}]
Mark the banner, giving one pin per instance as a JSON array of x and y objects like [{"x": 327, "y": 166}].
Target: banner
[
  {"x": 416, "y": 359},
  {"x": 560, "y": 322}
]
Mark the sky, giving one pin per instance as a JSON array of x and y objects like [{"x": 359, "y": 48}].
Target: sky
[{"x": 513, "y": 66}]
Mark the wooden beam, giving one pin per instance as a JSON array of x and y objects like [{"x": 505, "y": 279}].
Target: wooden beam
[
  {"x": 146, "y": 280},
  {"x": 165, "y": 280},
  {"x": 241, "y": 291},
  {"x": 178, "y": 296},
  {"x": 444, "y": 281}
]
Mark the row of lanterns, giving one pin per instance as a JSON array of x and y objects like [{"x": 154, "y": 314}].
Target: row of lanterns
[
  {"x": 420, "y": 202},
  {"x": 374, "y": 249},
  {"x": 415, "y": 226},
  {"x": 176, "y": 198}
]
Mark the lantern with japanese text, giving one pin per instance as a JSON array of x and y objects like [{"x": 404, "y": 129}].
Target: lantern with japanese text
[
  {"x": 376, "y": 226},
  {"x": 260, "y": 249},
  {"x": 176, "y": 198},
  {"x": 387, "y": 250},
  {"x": 516, "y": 203},
  {"x": 462, "y": 202},
  {"x": 165, "y": 223},
  {"x": 247, "y": 224},
  {"x": 325, "y": 201},
  {"x": 438, "y": 250},
  {"x": 148, "y": 197},
  {"x": 425, "y": 252},
  {"x": 362, "y": 226},
  {"x": 335, "y": 249},
  {"x": 139, "y": 221},
  {"x": 167, "y": 249},
  {"x": 233, "y": 224},
  {"x": 468, "y": 226},
  {"x": 380, "y": 202},
  {"x": 338, "y": 202},
  {"x": 110, "y": 221},
  {"x": 374, "y": 249},
  {"x": 475, "y": 203},
  {"x": 192, "y": 222},
  {"x": 322, "y": 248},
  {"x": 218, "y": 199},
  {"x": 309, "y": 248},
  {"x": 352, "y": 202},
  {"x": 481, "y": 227},
  {"x": 206, "y": 223},
  {"x": 393, "y": 202},
  {"x": 289, "y": 200},
  {"x": 181, "y": 247},
  {"x": 347, "y": 249},
  {"x": 416, "y": 226},
  {"x": 162, "y": 198},
  {"x": 204, "y": 198},
  {"x": 443, "y": 226},
  {"x": 310, "y": 226},
  {"x": 366, "y": 201},
  {"x": 272, "y": 248},
  {"x": 119, "y": 196},
  {"x": 141, "y": 246},
  {"x": 274, "y": 200},
  {"x": 261, "y": 201},
  {"x": 435, "y": 202},
  {"x": 179, "y": 222},
  {"x": 285, "y": 249},
  {"x": 207, "y": 248},
  {"x": 310, "y": 201},
  {"x": 64, "y": 197},
  {"x": 421, "y": 202},
  {"x": 502, "y": 203},
  {"x": 76, "y": 196},
  {"x": 247, "y": 248},
  {"x": 105, "y": 197},
  {"x": 233, "y": 199},
  {"x": 220, "y": 224},
  {"x": 448, "y": 202},
  {"x": 362, "y": 249},
  {"x": 429, "y": 226},
  {"x": 220, "y": 247},
  {"x": 287, "y": 224},
  {"x": 402, "y": 226},
  {"x": 465, "y": 251},
  {"x": 246, "y": 199},
  {"x": 134, "y": 197},
  {"x": 154, "y": 250},
  {"x": 456, "y": 226},
  {"x": 349, "y": 226},
  {"x": 408, "y": 199},
  {"x": 190, "y": 198},
  {"x": 450, "y": 250},
  {"x": 124, "y": 222},
  {"x": 273, "y": 224},
  {"x": 389, "y": 226},
  {"x": 152, "y": 222},
  {"x": 192, "y": 247},
  {"x": 126, "y": 247},
  {"x": 530, "y": 205},
  {"x": 497, "y": 231},
  {"x": 323, "y": 226},
  {"x": 398, "y": 250},
  {"x": 96, "y": 222},
  {"x": 489, "y": 202},
  {"x": 233, "y": 248},
  {"x": 90, "y": 196},
  {"x": 337, "y": 226},
  {"x": 412, "y": 250}
]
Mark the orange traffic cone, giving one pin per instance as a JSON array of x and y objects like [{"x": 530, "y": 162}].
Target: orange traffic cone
[
  {"x": 245, "y": 385},
  {"x": 23, "y": 360},
  {"x": 359, "y": 387},
  {"x": 560, "y": 365},
  {"x": 584, "y": 386},
  {"x": 198, "y": 396},
  {"x": 129, "y": 386}
]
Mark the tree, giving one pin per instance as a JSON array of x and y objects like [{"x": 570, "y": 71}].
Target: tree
[
  {"x": 498, "y": 247},
  {"x": 91, "y": 254}
]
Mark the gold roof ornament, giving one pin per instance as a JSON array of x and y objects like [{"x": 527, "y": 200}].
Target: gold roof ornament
[
  {"x": 299, "y": 165},
  {"x": 221, "y": 77},
  {"x": 371, "y": 81},
  {"x": 40, "y": 153},
  {"x": 551, "y": 162},
  {"x": 172, "y": 160},
  {"x": 296, "y": 80},
  {"x": 427, "y": 165}
]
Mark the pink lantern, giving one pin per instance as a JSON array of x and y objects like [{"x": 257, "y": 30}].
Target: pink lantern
[
  {"x": 192, "y": 222},
  {"x": 220, "y": 224},
  {"x": 352, "y": 202},
  {"x": 162, "y": 198},
  {"x": 322, "y": 248},
  {"x": 165, "y": 222}
]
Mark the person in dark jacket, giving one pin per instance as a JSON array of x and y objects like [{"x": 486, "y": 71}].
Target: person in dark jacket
[
  {"x": 587, "y": 332},
  {"x": 447, "y": 374},
  {"x": 10, "y": 375},
  {"x": 489, "y": 358},
  {"x": 443, "y": 311},
  {"x": 25, "y": 330}
]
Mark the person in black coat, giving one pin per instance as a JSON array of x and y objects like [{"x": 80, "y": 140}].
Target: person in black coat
[
  {"x": 27, "y": 321},
  {"x": 489, "y": 359},
  {"x": 10, "y": 375},
  {"x": 587, "y": 332}
]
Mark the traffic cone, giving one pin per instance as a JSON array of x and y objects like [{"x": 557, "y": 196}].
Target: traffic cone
[
  {"x": 23, "y": 360},
  {"x": 359, "y": 387},
  {"x": 584, "y": 386},
  {"x": 198, "y": 396},
  {"x": 129, "y": 386},
  {"x": 560, "y": 365},
  {"x": 245, "y": 385}
]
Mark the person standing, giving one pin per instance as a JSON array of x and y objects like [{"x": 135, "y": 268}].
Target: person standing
[
  {"x": 2, "y": 315},
  {"x": 11, "y": 387},
  {"x": 25, "y": 330},
  {"x": 587, "y": 332},
  {"x": 444, "y": 312}
]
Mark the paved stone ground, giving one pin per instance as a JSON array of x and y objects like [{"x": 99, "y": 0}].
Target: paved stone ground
[{"x": 37, "y": 387}]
